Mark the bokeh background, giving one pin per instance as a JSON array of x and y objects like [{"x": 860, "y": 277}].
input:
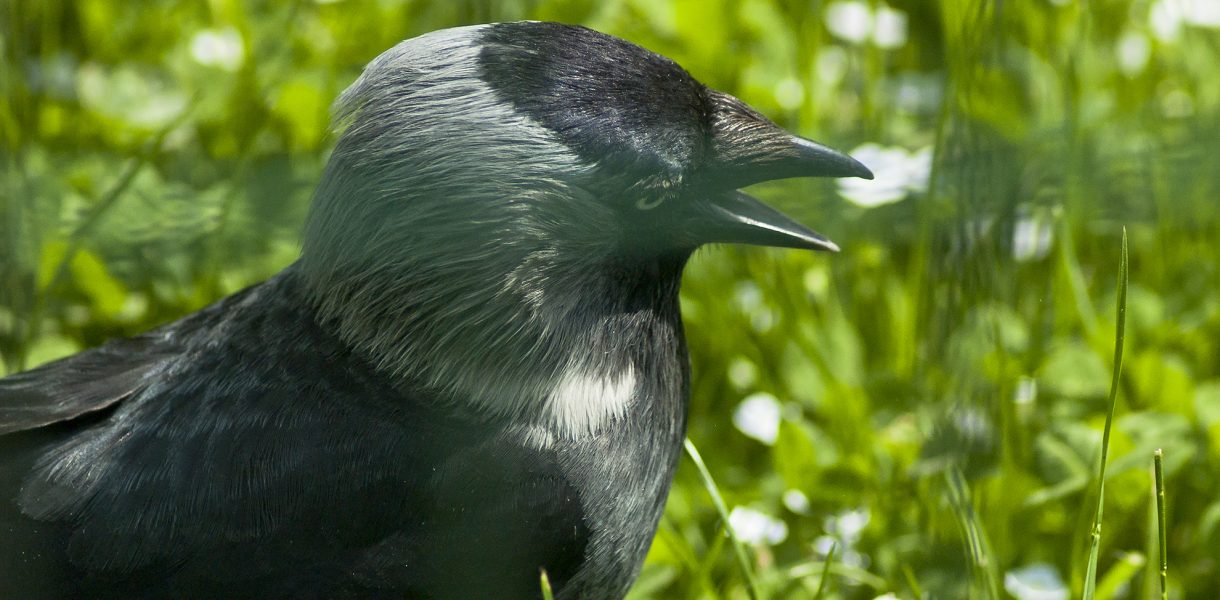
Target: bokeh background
[{"x": 929, "y": 402}]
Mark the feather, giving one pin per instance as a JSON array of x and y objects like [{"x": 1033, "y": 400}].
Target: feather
[{"x": 83, "y": 383}]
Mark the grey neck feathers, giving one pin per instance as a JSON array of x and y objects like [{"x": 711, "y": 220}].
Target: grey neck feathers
[{"x": 447, "y": 247}]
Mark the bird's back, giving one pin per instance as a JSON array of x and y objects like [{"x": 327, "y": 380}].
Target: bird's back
[{"x": 249, "y": 451}]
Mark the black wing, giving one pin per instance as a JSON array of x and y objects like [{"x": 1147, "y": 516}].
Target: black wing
[
  {"x": 83, "y": 383},
  {"x": 99, "y": 378},
  {"x": 262, "y": 457}
]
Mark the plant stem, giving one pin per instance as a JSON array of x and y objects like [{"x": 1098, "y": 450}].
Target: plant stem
[
  {"x": 1158, "y": 469},
  {"x": 718, "y": 501},
  {"x": 1090, "y": 581}
]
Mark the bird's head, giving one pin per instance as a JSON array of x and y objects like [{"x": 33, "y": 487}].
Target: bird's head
[{"x": 497, "y": 176}]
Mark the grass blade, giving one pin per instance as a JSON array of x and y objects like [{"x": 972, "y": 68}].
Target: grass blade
[
  {"x": 982, "y": 561},
  {"x": 912, "y": 582},
  {"x": 545, "y": 582},
  {"x": 1121, "y": 577},
  {"x": 713, "y": 491},
  {"x": 1090, "y": 581},
  {"x": 1158, "y": 469},
  {"x": 830, "y": 557}
]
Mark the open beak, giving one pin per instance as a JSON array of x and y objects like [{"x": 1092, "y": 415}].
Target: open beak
[
  {"x": 739, "y": 218},
  {"x": 747, "y": 149}
]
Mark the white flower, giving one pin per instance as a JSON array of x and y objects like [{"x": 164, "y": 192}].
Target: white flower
[
  {"x": 845, "y": 530},
  {"x": 851, "y": 20},
  {"x": 756, "y": 528},
  {"x": 742, "y": 373},
  {"x": 823, "y": 544},
  {"x": 889, "y": 28},
  {"x": 1031, "y": 238},
  {"x": 1038, "y": 581},
  {"x": 855, "y": 22},
  {"x": 844, "y": 553},
  {"x": 220, "y": 48},
  {"x": 758, "y": 417},
  {"x": 1027, "y": 391},
  {"x": 797, "y": 502},
  {"x": 849, "y": 525},
  {"x": 1133, "y": 52},
  {"x": 1201, "y": 13},
  {"x": 789, "y": 93},
  {"x": 750, "y": 299},
  {"x": 1165, "y": 17},
  {"x": 748, "y": 296},
  {"x": 897, "y": 174}
]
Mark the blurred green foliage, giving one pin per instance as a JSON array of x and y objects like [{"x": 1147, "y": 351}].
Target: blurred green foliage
[{"x": 930, "y": 400}]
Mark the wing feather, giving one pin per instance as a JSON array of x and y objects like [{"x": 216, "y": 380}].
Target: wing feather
[{"x": 82, "y": 383}]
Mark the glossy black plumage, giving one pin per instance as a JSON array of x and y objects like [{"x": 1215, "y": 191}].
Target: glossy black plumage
[
  {"x": 475, "y": 371},
  {"x": 299, "y": 472}
]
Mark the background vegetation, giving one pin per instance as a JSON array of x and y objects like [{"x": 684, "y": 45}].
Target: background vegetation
[{"x": 929, "y": 401}]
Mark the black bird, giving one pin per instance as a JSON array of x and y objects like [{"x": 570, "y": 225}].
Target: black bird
[{"x": 476, "y": 370}]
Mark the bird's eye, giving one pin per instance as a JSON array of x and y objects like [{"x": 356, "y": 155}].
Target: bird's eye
[{"x": 647, "y": 203}]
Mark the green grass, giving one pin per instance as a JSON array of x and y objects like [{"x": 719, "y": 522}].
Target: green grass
[
  {"x": 1159, "y": 490},
  {"x": 1090, "y": 580},
  {"x": 944, "y": 375},
  {"x": 713, "y": 492},
  {"x": 547, "y": 592}
]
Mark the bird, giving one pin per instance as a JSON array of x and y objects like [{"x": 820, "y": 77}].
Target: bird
[{"x": 475, "y": 372}]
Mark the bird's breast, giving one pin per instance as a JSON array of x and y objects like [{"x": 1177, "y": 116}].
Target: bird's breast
[
  {"x": 584, "y": 401},
  {"x": 622, "y": 471}
]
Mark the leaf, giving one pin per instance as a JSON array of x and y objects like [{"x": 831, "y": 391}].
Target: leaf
[
  {"x": 1162, "y": 380},
  {"x": 301, "y": 104},
  {"x": 106, "y": 294},
  {"x": 88, "y": 274},
  {"x": 1075, "y": 371},
  {"x": 796, "y": 456}
]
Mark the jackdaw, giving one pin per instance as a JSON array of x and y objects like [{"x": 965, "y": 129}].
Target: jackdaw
[{"x": 476, "y": 369}]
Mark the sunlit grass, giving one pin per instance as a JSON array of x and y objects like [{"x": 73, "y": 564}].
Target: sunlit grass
[
  {"x": 824, "y": 579},
  {"x": 743, "y": 560},
  {"x": 1120, "y": 330},
  {"x": 1159, "y": 490},
  {"x": 545, "y": 581},
  {"x": 943, "y": 375}
]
